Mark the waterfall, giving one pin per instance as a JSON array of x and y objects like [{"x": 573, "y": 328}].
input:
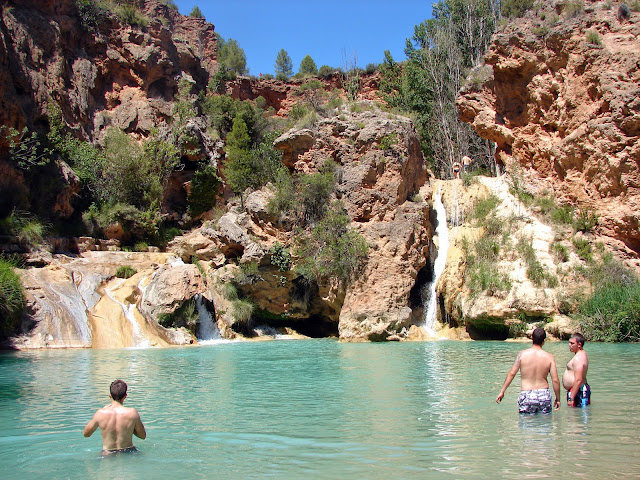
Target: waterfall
[
  {"x": 208, "y": 331},
  {"x": 128, "y": 309},
  {"x": 438, "y": 266}
]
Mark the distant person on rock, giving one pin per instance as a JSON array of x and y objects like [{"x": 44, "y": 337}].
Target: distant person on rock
[
  {"x": 117, "y": 423},
  {"x": 466, "y": 163},
  {"x": 535, "y": 365},
  {"x": 574, "y": 378}
]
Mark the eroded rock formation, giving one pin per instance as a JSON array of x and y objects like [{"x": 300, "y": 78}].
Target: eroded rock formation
[{"x": 560, "y": 96}]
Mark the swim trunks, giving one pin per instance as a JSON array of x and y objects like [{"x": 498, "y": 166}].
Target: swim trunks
[
  {"x": 583, "y": 391},
  {"x": 534, "y": 401},
  {"x": 120, "y": 450}
]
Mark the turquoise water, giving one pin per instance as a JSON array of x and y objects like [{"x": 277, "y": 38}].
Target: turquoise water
[{"x": 316, "y": 409}]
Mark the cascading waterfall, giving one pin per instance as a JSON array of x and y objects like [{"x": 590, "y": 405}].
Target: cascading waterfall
[
  {"x": 128, "y": 309},
  {"x": 438, "y": 266},
  {"x": 208, "y": 332}
]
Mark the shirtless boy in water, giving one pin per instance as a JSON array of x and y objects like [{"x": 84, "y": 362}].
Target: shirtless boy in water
[
  {"x": 574, "y": 378},
  {"x": 535, "y": 365},
  {"x": 117, "y": 423}
]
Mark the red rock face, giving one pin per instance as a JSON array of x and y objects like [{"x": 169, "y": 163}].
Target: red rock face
[
  {"x": 115, "y": 74},
  {"x": 567, "y": 111},
  {"x": 109, "y": 75},
  {"x": 283, "y": 95}
]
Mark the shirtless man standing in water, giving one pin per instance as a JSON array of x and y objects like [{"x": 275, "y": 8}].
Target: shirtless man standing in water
[
  {"x": 117, "y": 423},
  {"x": 535, "y": 365},
  {"x": 574, "y": 378}
]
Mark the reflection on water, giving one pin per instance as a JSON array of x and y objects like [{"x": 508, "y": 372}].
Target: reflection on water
[{"x": 318, "y": 409}]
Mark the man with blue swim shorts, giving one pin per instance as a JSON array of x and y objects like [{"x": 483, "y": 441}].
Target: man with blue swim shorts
[
  {"x": 574, "y": 378},
  {"x": 535, "y": 365}
]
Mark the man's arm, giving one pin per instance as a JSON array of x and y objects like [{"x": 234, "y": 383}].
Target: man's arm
[
  {"x": 510, "y": 376},
  {"x": 555, "y": 382},
  {"x": 91, "y": 426},
  {"x": 138, "y": 429},
  {"x": 578, "y": 379}
]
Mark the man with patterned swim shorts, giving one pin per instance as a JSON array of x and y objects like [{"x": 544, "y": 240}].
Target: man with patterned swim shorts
[{"x": 535, "y": 365}]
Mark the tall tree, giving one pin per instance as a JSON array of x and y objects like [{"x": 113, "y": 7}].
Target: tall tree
[
  {"x": 308, "y": 66},
  {"x": 440, "y": 55},
  {"x": 196, "y": 12},
  {"x": 283, "y": 65},
  {"x": 231, "y": 56}
]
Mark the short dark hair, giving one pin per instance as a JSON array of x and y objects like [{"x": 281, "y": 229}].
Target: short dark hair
[
  {"x": 538, "y": 336},
  {"x": 118, "y": 390},
  {"x": 579, "y": 338}
]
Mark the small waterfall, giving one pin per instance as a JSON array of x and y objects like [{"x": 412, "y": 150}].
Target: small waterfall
[
  {"x": 208, "y": 331},
  {"x": 139, "y": 340},
  {"x": 438, "y": 266}
]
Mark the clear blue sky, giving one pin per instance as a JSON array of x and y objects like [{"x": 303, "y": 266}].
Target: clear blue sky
[{"x": 327, "y": 30}]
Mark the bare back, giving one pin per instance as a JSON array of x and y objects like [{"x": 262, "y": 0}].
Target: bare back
[
  {"x": 535, "y": 366},
  {"x": 117, "y": 426}
]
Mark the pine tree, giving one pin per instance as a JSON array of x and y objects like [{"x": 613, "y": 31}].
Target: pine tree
[
  {"x": 196, "y": 13},
  {"x": 308, "y": 66},
  {"x": 283, "y": 65}
]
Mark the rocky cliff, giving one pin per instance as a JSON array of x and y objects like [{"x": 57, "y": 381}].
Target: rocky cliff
[
  {"x": 559, "y": 94},
  {"x": 101, "y": 72}
]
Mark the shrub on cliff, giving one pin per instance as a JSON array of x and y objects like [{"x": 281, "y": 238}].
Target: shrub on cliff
[
  {"x": 12, "y": 299},
  {"x": 248, "y": 167},
  {"x": 204, "y": 189},
  {"x": 303, "y": 197},
  {"x": 125, "y": 271},
  {"x": 196, "y": 12},
  {"x": 516, "y": 8},
  {"x": 612, "y": 312},
  {"x": 184, "y": 316},
  {"x": 332, "y": 249}
]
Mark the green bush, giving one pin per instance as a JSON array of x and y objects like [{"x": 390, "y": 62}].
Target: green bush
[
  {"x": 141, "y": 247},
  {"x": 573, "y": 8},
  {"x": 325, "y": 71},
  {"x": 25, "y": 227},
  {"x": 559, "y": 251},
  {"x": 280, "y": 257},
  {"x": 125, "y": 271},
  {"x": 585, "y": 221},
  {"x": 229, "y": 291},
  {"x": 332, "y": 249},
  {"x": 516, "y": 8},
  {"x": 92, "y": 14},
  {"x": 562, "y": 215},
  {"x": 612, "y": 312},
  {"x": 593, "y": 38},
  {"x": 485, "y": 206},
  {"x": 130, "y": 15},
  {"x": 535, "y": 270},
  {"x": 388, "y": 141},
  {"x": 204, "y": 190},
  {"x": 12, "y": 299},
  {"x": 242, "y": 310},
  {"x": 184, "y": 316},
  {"x": 583, "y": 248},
  {"x": 487, "y": 277}
]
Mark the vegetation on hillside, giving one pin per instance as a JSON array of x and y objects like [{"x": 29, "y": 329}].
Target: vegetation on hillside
[{"x": 440, "y": 55}]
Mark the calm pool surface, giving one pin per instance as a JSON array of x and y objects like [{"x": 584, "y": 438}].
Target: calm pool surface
[{"x": 316, "y": 409}]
